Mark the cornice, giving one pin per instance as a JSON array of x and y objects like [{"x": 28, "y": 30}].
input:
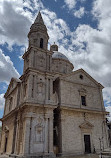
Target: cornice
[
  {"x": 36, "y": 49},
  {"x": 83, "y": 71},
  {"x": 77, "y": 83},
  {"x": 84, "y": 110},
  {"x": 6, "y": 95},
  {"x": 36, "y": 71},
  {"x": 27, "y": 104}
]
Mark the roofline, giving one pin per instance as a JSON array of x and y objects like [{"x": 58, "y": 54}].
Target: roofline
[{"x": 100, "y": 85}]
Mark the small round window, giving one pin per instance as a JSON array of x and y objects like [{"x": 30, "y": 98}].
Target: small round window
[{"x": 81, "y": 77}]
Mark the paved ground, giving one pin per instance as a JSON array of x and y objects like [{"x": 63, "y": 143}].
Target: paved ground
[{"x": 84, "y": 156}]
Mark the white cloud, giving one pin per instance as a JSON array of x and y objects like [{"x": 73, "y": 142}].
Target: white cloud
[
  {"x": 70, "y": 3},
  {"x": 15, "y": 20},
  {"x": 2, "y": 101},
  {"x": 79, "y": 13},
  {"x": 108, "y": 109},
  {"x": 102, "y": 9},
  {"x": 107, "y": 95},
  {"x": 57, "y": 28},
  {"x": 7, "y": 69},
  {"x": 13, "y": 24}
]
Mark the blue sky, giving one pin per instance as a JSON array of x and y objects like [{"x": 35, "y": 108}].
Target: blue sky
[{"x": 81, "y": 28}]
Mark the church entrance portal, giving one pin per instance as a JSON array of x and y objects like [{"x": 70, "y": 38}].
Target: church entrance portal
[{"x": 87, "y": 143}]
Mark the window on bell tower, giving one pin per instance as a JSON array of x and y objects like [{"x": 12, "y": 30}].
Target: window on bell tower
[{"x": 41, "y": 43}]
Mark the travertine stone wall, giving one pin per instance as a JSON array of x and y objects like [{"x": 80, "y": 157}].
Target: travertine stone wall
[
  {"x": 38, "y": 131},
  {"x": 61, "y": 66},
  {"x": 9, "y": 107},
  {"x": 71, "y": 91},
  {"x": 34, "y": 40},
  {"x": 8, "y": 127},
  {"x": 38, "y": 59},
  {"x": 73, "y": 135}
]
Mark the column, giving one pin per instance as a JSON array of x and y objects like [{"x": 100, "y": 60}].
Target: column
[{"x": 27, "y": 136}]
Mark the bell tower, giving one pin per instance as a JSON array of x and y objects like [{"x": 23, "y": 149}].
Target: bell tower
[
  {"x": 38, "y": 35},
  {"x": 38, "y": 56},
  {"x": 37, "y": 75}
]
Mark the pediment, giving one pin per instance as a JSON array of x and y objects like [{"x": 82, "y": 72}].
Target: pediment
[
  {"x": 12, "y": 85},
  {"x": 86, "y": 125},
  {"x": 81, "y": 77}
]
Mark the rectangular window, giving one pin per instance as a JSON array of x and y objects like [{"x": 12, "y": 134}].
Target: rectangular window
[{"x": 83, "y": 100}]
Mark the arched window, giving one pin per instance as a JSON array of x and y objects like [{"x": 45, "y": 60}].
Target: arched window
[{"x": 41, "y": 43}]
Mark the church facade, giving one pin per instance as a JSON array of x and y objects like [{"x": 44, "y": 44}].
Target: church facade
[{"x": 52, "y": 109}]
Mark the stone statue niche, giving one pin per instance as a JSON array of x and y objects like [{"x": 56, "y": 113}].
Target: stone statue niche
[{"x": 39, "y": 131}]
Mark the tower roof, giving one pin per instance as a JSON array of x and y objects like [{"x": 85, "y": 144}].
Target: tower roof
[
  {"x": 39, "y": 19},
  {"x": 38, "y": 26}
]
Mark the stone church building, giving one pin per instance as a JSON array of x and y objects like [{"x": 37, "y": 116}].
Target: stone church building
[{"x": 51, "y": 109}]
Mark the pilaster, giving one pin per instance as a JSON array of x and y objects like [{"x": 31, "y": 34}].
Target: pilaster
[
  {"x": 51, "y": 134},
  {"x": 27, "y": 136}
]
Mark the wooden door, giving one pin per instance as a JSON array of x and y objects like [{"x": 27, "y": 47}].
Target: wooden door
[{"x": 87, "y": 143}]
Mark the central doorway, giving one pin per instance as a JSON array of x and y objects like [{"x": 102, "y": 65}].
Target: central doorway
[{"x": 87, "y": 144}]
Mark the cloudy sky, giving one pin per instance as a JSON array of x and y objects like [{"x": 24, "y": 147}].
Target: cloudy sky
[{"x": 81, "y": 28}]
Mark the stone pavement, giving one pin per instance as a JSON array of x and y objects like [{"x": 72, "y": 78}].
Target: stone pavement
[{"x": 79, "y": 156}]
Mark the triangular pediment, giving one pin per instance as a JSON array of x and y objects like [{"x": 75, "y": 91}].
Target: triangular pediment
[
  {"x": 81, "y": 77},
  {"x": 86, "y": 125},
  {"x": 12, "y": 85}
]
